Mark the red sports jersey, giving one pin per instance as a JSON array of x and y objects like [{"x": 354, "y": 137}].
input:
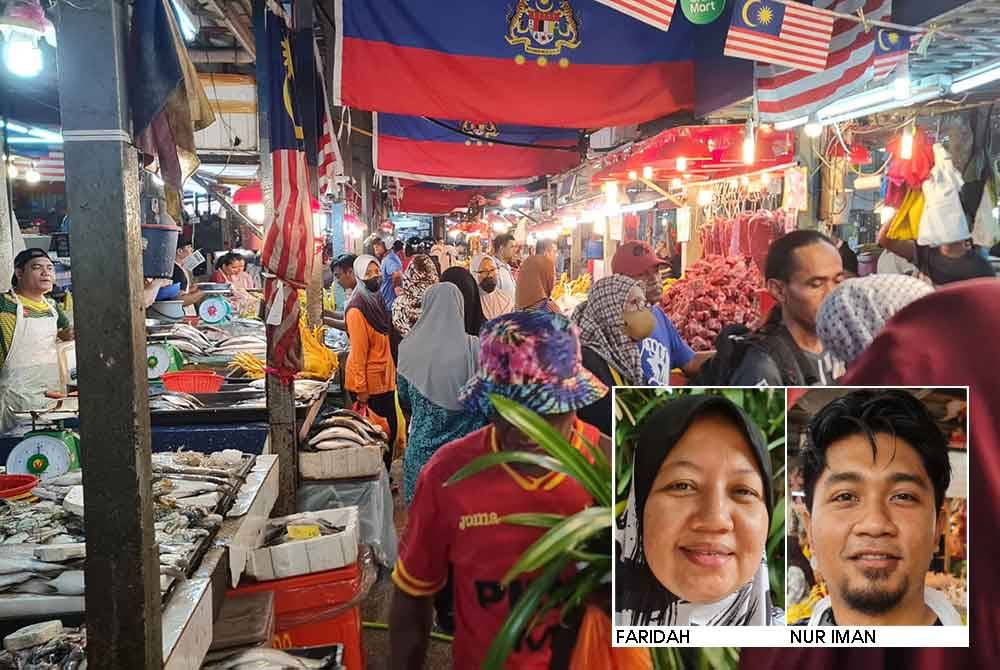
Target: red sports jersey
[{"x": 460, "y": 525}]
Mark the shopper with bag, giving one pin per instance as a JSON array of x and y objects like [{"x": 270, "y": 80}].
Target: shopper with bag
[
  {"x": 371, "y": 372},
  {"x": 942, "y": 249}
]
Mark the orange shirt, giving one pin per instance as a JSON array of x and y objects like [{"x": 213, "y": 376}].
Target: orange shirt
[{"x": 370, "y": 368}]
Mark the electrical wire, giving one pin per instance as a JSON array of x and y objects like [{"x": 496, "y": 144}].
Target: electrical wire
[{"x": 378, "y": 625}]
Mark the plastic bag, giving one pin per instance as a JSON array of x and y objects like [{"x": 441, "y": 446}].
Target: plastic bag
[
  {"x": 593, "y": 647},
  {"x": 906, "y": 222},
  {"x": 986, "y": 231},
  {"x": 943, "y": 220},
  {"x": 364, "y": 410}
]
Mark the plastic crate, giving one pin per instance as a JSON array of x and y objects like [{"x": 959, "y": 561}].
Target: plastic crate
[
  {"x": 192, "y": 382},
  {"x": 302, "y": 607}
]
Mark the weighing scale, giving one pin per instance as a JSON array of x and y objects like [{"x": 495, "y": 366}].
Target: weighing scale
[
  {"x": 162, "y": 357},
  {"x": 46, "y": 454},
  {"x": 214, "y": 310}
]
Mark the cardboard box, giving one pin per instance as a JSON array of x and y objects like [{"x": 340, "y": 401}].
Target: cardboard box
[
  {"x": 360, "y": 461},
  {"x": 303, "y": 557}
]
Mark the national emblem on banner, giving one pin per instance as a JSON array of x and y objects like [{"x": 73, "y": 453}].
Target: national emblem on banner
[
  {"x": 543, "y": 28},
  {"x": 484, "y": 131}
]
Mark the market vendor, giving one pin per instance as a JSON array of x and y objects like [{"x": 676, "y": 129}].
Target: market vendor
[
  {"x": 231, "y": 269},
  {"x": 343, "y": 273},
  {"x": 664, "y": 349},
  {"x": 31, "y": 325}
]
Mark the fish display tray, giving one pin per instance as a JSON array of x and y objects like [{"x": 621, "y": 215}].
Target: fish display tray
[{"x": 305, "y": 557}]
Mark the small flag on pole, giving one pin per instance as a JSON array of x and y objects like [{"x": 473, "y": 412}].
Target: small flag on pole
[
  {"x": 656, "y": 13},
  {"x": 795, "y": 35},
  {"x": 891, "y": 49}
]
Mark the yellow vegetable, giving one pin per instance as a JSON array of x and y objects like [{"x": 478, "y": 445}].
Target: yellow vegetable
[{"x": 318, "y": 362}]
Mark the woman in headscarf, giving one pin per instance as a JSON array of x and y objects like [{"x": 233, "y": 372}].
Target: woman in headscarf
[
  {"x": 691, "y": 544},
  {"x": 613, "y": 322},
  {"x": 465, "y": 282},
  {"x": 370, "y": 372},
  {"x": 495, "y": 301},
  {"x": 943, "y": 339},
  {"x": 856, "y": 311},
  {"x": 535, "y": 281},
  {"x": 419, "y": 275},
  {"x": 436, "y": 359}
]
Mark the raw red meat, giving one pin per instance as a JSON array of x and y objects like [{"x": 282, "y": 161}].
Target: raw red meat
[{"x": 715, "y": 292}]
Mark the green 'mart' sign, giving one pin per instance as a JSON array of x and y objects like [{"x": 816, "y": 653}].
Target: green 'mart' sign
[{"x": 702, "y": 11}]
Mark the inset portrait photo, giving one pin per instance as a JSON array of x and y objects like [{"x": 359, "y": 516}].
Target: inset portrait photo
[
  {"x": 877, "y": 518},
  {"x": 699, "y": 536}
]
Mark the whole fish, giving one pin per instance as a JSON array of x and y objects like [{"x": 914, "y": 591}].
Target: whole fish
[
  {"x": 337, "y": 433},
  {"x": 15, "y": 578},
  {"x": 10, "y": 565},
  {"x": 255, "y": 658},
  {"x": 69, "y": 583},
  {"x": 331, "y": 445}
]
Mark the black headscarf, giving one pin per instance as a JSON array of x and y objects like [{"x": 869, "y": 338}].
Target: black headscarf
[
  {"x": 466, "y": 283},
  {"x": 637, "y": 589}
]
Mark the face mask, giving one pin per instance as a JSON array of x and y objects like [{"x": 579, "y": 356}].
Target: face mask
[
  {"x": 639, "y": 325},
  {"x": 488, "y": 285},
  {"x": 373, "y": 284}
]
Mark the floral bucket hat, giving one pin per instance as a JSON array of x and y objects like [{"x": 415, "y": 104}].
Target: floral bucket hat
[{"x": 532, "y": 358}]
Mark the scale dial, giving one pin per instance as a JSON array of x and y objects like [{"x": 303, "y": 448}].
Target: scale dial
[
  {"x": 214, "y": 310},
  {"x": 44, "y": 456}
]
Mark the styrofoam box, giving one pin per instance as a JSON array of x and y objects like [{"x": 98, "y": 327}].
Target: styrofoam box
[
  {"x": 360, "y": 461},
  {"x": 303, "y": 557}
]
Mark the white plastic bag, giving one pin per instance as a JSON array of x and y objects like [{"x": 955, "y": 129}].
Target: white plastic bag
[
  {"x": 986, "y": 230},
  {"x": 943, "y": 220}
]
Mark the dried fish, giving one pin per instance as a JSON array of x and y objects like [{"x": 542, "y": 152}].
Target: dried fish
[{"x": 69, "y": 583}]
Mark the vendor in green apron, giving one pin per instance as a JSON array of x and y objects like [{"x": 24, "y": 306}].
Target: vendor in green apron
[{"x": 30, "y": 327}]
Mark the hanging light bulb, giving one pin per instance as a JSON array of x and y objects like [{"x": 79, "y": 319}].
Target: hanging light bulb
[
  {"x": 901, "y": 87},
  {"x": 749, "y": 144},
  {"x": 682, "y": 164},
  {"x": 632, "y": 175},
  {"x": 611, "y": 193},
  {"x": 12, "y": 170},
  {"x": 676, "y": 184},
  {"x": 32, "y": 176},
  {"x": 765, "y": 179},
  {"x": 22, "y": 25},
  {"x": 813, "y": 128},
  {"x": 647, "y": 172},
  {"x": 705, "y": 197},
  {"x": 256, "y": 212},
  {"x": 906, "y": 144},
  {"x": 745, "y": 180}
]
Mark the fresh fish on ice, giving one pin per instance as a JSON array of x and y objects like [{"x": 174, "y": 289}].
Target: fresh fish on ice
[{"x": 337, "y": 433}]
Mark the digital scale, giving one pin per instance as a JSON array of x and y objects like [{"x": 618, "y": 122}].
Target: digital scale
[
  {"x": 214, "y": 310},
  {"x": 46, "y": 454},
  {"x": 162, "y": 357}
]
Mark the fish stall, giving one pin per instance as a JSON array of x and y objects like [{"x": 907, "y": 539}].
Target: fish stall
[{"x": 209, "y": 511}]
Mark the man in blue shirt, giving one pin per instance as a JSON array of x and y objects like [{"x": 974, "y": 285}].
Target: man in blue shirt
[
  {"x": 392, "y": 270},
  {"x": 664, "y": 349}
]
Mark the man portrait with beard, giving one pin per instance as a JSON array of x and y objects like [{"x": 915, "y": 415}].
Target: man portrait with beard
[{"x": 876, "y": 470}]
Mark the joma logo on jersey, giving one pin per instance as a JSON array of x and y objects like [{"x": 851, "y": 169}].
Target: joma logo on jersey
[
  {"x": 476, "y": 520},
  {"x": 543, "y": 28}
]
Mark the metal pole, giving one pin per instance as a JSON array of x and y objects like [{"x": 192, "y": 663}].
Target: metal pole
[
  {"x": 102, "y": 193},
  {"x": 228, "y": 206},
  {"x": 280, "y": 398}
]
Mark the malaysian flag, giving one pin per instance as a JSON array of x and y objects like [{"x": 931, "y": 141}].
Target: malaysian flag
[
  {"x": 794, "y": 35},
  {"x": 287, "y": 254},
  {"x": 788, "y": 95},
  {"x": 331, "y": 164},
  {"x": 656, "y": 13},
  {"x": 891, "y": 49}
]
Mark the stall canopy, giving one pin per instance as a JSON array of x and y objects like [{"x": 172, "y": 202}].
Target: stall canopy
[
  {"x": 436, "y": 199},
  {"x": 700, "y": 153},
  {"x": 463, "y": 151},
  {"x": 251, "y": 194},
  {"x": 574, "y": 63}
]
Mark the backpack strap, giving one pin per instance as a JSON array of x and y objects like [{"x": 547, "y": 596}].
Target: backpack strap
[{"x": 777, "y": 342}]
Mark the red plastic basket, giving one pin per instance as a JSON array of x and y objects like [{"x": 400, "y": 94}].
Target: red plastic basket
[
  {"x": 16, "y": 486},
  {"x": 193, "y": 381}
]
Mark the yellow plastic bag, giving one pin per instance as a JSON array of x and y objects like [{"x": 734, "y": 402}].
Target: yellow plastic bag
[
  {"x": 399, "y": 448},
  {"x": 906, "y": 223},
  {"x": 593, "y": 647}
]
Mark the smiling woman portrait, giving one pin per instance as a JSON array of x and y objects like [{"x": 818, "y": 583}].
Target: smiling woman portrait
[{"x": 691, "y": 544}]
